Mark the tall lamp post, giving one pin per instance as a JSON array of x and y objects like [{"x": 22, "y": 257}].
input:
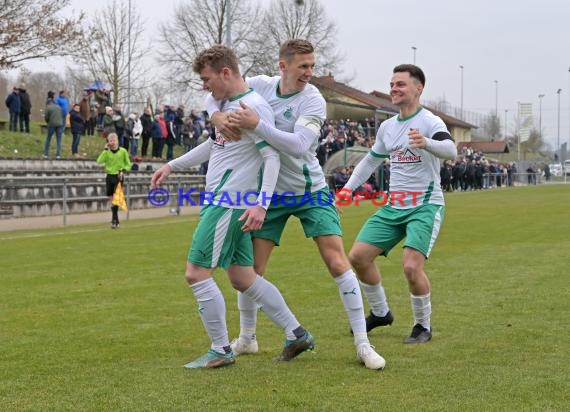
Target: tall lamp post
[
  {"x": 540, "y": 96},
  {"x": 128, "y": 105},
  {"x": 461, "y": 68},
  {"x": 414, "y": 48},
  {"x": 228, "y": 40},
  {"x": 496, "y": 98},
  {"x": 506, "y": 130},
  {"x": 558, "y": 135}
]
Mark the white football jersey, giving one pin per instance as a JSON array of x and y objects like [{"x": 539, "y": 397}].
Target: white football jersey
[
  {"x": 411, "y": 170},
  {"x": 234, "y": 167},
  {"x": 307, "y": 107}
]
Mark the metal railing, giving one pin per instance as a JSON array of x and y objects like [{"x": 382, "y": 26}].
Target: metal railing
[{"x": 28, "y": 191}]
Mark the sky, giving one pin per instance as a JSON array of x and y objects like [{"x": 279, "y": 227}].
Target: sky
[{"x": 511, "y": 50}]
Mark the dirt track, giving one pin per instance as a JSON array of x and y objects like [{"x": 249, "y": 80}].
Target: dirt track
[{"x": 7, "y": 225}]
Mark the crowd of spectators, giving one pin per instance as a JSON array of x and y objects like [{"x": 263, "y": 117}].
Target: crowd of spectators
[
  {"x": 473, "y": 171},
  {"x": 339, "y": 134},
  {"x": 168, "y": 125}
]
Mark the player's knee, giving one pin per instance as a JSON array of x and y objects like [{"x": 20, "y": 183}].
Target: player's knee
[
  {"x": 413, "y": 272},
  {"x": 238, "y": 285},
  {"x": 338, "y": 266},
  {"x": 260, "y": 268},
  {"x": 356, "y": 259},
  {"x": 190, "y": 277}
]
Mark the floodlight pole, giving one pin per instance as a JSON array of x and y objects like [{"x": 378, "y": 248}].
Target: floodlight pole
[
  {"x": 128, "y": 97},
  {"x": 228, "y": 24}
]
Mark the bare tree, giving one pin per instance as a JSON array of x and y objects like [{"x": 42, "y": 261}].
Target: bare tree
[
  {"x": 492, "y": 127},
  {"x": 116, "y": 52},
  {"x": 32, "y": 29},
  {"x": 198, "y": 24},
  {"x": 307, "y": 20}
]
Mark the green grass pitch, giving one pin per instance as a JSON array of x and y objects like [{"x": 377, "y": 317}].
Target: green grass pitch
[{"x": 93, "y": 319}]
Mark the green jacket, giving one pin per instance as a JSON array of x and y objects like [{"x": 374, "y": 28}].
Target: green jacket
[
  {"x": 53, "y": 115},
  {"x": 109, "y": 124},
  {"x": 115, "y": 161}
]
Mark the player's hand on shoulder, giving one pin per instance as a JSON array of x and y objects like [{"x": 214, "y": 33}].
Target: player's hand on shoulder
[
  {"x": 245, "y": 118},
  {"x": 221, "y": 122}
]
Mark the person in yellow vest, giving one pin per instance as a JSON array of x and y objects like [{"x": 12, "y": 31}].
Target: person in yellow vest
[{"x": 117, "y": 161}]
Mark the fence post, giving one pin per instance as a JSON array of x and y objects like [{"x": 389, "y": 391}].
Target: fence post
[
  {"x": 178, "y": 186},
  {"x": 64, "y": 202},
  {"x": 127, "y": 193}
]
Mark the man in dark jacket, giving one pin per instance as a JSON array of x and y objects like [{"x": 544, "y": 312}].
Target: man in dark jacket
[
  {"x": 146, "y": 120},
  {"x": 25, "y": 109},
  {"x": 77, "y": 129},
  {"x": 13, "y": 104}
]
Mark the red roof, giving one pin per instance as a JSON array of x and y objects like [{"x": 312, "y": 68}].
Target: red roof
[{"x": 378, "y": 100}]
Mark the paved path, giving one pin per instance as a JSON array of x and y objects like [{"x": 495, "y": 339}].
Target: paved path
[{"x": 86, "y": 218}]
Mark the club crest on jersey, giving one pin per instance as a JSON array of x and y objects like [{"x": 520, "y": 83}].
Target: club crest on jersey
[
  {"x": 405, "y": 156},
  {"x": 220, "y": 141},
  {"x": 288, "y": 114}
]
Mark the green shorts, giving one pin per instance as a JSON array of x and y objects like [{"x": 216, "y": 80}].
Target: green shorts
[
  {"x": 218, "y": 240},
  {"x": 316, "y": 211},
  {"x": 419, "y": 225}
]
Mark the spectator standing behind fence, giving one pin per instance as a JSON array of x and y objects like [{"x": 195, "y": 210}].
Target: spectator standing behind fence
[
  {"x": 108, "y": 123},
  {"x": 25, "y": 109},
  {"x": 169, "y": 119},
  {"x": 77, "y": 129},
  {"x": 116, "y": 160},
  {"x": 187, "y": 134},
  {"x": 178, "y": 122},
  {"x": 103, "y": 99},
  {"x": 85, "y": 111},
  {"x": 63, "y": 102},
  {"x": 92, "y": 122},
  {"x": 133, "y": 132},
  {"x": 55, "y": 124},
  {"x": 157, "y": 137},
  {"x": 13, "y": 104},
  {"x": 146, "y": 121},
  {"x": 119, "y": 120}
]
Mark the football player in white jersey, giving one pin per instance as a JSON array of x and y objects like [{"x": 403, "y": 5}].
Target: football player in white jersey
[
  {"x": 414, "y": 141},
  {"x": 300, "y": 111},
  {"x": 223, "y": 235}
]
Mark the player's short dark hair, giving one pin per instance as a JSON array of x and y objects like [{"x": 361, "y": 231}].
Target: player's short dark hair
[
  {"x": 295, "y": 46},
  {"x": 413, "y": 70},
  {"x": 217, "y": 57}
]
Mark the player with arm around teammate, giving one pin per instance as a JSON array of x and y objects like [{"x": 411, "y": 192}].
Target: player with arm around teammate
[
  {"x": 299, "y": 111},
  {"x": 222, "y": 237}
]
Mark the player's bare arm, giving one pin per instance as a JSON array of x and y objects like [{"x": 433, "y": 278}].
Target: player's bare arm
[{"x": 160, "y": 176}]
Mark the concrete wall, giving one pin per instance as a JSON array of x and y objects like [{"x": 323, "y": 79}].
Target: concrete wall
[{"x": 31, "y": 188}]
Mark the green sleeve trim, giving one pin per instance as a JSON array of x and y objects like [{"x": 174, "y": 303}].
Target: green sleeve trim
[
  {"x": 374, "y": 154},
  {"x": 261, "y": 145}
]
